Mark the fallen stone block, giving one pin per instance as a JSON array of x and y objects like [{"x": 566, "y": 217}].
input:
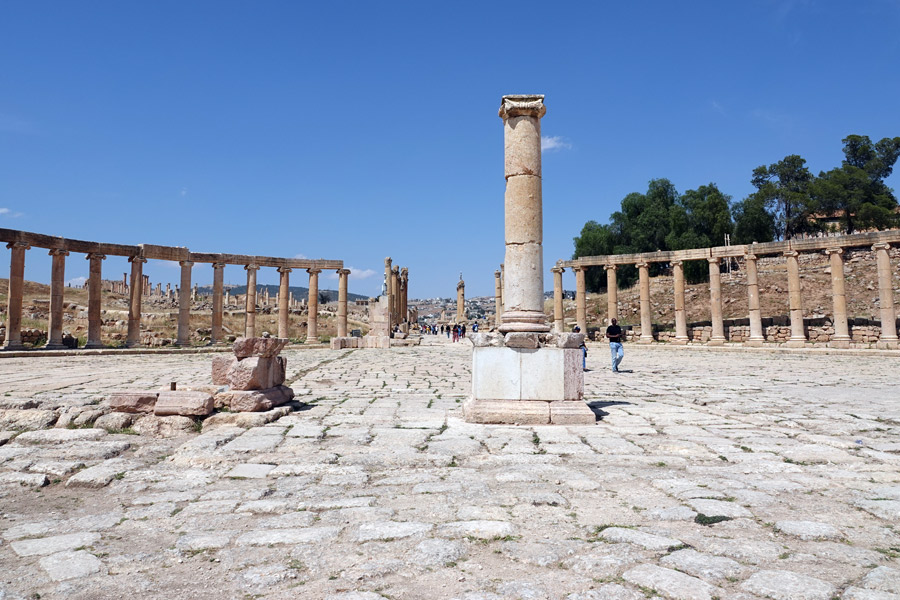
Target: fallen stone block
[
  {"x": 220, "y": 365},
  {"x": 115, "y": 421},
  {"x": 26, "y": 479},
  {"x": 195, "y": 404},
  {"x": 134, "y": 402},
  {"x": 257, "y": 346},
  {"x": 255, "y": 400},
  {"x": 27, "y": 419},
  {"x": 164, "y": 427},
  {"x": 257, "y": 373}
]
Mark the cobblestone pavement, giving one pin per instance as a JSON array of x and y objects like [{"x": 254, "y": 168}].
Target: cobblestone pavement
[{"x": 710, "y": 475}]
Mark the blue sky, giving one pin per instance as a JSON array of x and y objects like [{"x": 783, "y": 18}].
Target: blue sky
[{"x": 354, "y": 131}]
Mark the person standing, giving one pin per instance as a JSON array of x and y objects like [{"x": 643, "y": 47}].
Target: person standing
[
  {"x": 614, "y": 334},
  {"x": 583, "y": 348}
]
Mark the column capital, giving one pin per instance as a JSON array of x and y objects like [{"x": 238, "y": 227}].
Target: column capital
[
  {"x": 251, "y": 267},
  {"x": 58, "y": 252},
  {"x": 556, "y": 270},
  {"x": 395, "y": 270},
  {"x": 677, "y": 263},
  {"x": 791, "y": 253},
  {"x": 94, "y": 256},
  {"x": 284, "y": 269},
  {"x": 831, "y": 251},
  {"x": 313, "y": 271},
  {"x": 642, "y": 265},
  {"x": 497, "y": 274},
  {"x": 24, "y": 245},
  {"x": 387, "y": 261},
  {"x": 186, "y": 263},
  {"x": 750, "y": 256},
  {"x": 881, "y": 246},
  {"x": 343, "y": 272},
  {"x": 137, "y": 259},
  {"x": 217, "y": 265},
  {"x": 522, "y": 105},
  {"x": 404, "y": 272},
  {"x": 461, "y": 285},
  {"x": 578, "y": 268},
  {"x": 713, "y": 260},
  {"x": 610, "y": 267}
]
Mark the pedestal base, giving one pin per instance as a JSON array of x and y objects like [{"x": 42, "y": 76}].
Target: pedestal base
[
  {"x": 889, "y": 344},
  {"x": 527, "y": 412},
  {"x": 754, "y": 343},
  {"x": 716, "y": 342},
  {"x": 841, "y": 343},
  {"x": 795, "y": 343},
  {"x": 679, "y": 341}
]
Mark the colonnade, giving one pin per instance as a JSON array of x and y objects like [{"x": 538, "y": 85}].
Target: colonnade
[
  {"x": 20, "y": 241},
  {"x": 834, "y": 247}
]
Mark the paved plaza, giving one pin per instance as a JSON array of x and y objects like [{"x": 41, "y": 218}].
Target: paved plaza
[{"x": 711, "y": 473}]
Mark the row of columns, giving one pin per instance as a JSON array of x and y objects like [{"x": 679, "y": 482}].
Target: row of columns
[
  {"x": 396, "y": 288},
  {"x": 136, "y": 291},
  {"x": 841, "y": 337}
]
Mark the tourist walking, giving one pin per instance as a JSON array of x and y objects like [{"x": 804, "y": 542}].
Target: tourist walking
[
  {"x": 614, "y": 334},
  {"x": 583, "y": 347}
]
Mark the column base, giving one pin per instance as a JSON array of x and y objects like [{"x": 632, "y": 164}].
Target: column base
[
  {"x": 645, "y": 340},
  {"x": 523, "y": 320},
  {"x": 93, "y": 345},
  {"x": 488, "y": 411},
  {"x": 54, "y": 346},
  {"x": 840, "y": 344},
  {"x": 887, "y": 344},
  {"x": 754, "y": 343},
  {"x": 13, "y": 346},
  {"x": 795, "y": 343},
  {"x": 679, "y": 341},
  {"x": 716, "y": 342}
]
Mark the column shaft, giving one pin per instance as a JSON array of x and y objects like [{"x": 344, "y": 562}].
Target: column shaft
[
  {"x": 16, "y": 288},
  {"x": 886, "y": 296},
  {"x": 312, "y": 319},
  {"x": 395, "y": 296},
  {"x": 133, "y": 337},
  {"x": 95, "y": 290},
  {"x": 250, "y": 302},
  {"x": 461, "y": 301},
  {"x": 184, "y": 305},
  {"x": 715, "y": 303},
  {"x": 795, "y": 299},
  {"x": 756, "y": 332},
  {"x": 498, "y": 298},
  {"x": 342, "y": 302},
  {"x": 218, "y": 307},
  {"x": 387, "y": 292},
  {"x": 558, "y": 317},
  {"x": 57, "y": 289},
  {"x": 646, "y": 318},
  {"x": 681, "y": 336},
  {"x": 612, "y": 294},
  {"x": 580, "y": 300},
  {"x": 284, "y": 311},
  {"x": 404, "y": 290},
  {"x": 841, "y": 337}
]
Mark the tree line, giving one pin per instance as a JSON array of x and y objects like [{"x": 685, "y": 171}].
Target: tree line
[{"x": 789, "y": 201}]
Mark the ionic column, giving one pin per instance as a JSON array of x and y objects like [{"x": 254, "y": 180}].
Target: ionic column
[
  {"x": 312, "y": 320},
  {"x": 756, "y": 332},
  {"x": 460, "y": 300},
  {"x": 681, "y": 336},
  {"x": 16, "y": 287},
  {"x": 715, "y": 303},
  {"x": 498, "y": 298},
  {"x": 342, "y": 302},
  {"x": 250, "y": 302},
  {"x": 284, "y": 311},
  {"x": 886, "y": 297},
  {"x": 184, "y": 305},
  {"x": 841, "y": 337},
  {"x": 404, "y": 287},
  {"x": 95, "y": 289},
  {"x": 580, "y": 299},
  {"x": 612, "y": 293},
  {"x": 218, "y": 307},
  {"x": 524, "y": 298},
  {"x": 646, "y": 318},
  {"x": 558, "y": 321},
  {"x": 57, "y": 289},
  {"x": 387, "y": 291},
  {"x": 134, "y": 310},
  {"x": 795, "y": 299}
]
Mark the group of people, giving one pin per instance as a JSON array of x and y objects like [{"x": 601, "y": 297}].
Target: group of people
[
  {"x": 456, "y": 332},
  {"x": 615, "y": 336}
]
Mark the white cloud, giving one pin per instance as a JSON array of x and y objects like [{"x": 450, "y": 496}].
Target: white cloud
[
  {"x": 300, "y": 256},
  {"x": 76, "y": 281},
  {"x": 8, "y": 213},
  {"x": 184, "y": 191},
  {"x": 555, "y": 142},
  {"x": 360, "y": 273}
]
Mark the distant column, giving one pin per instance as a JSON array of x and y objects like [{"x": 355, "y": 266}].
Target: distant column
[
  {"x": 387, "y": 290},
  {"x": 284, "y": 310},
  {"x": 612, "y": 293},
  {"x": 580, "y": 299},
  {"x": 95, "y": 289},
  {"x": 395, "y": 295},
  {"x": 841, "y": 337},
  {"x": 681, "y": 336},
  {"x": 185, "y": 296},
  {"x": 715, "y": 303},
  {"x": 342, "y": 302},
  {"x": 404, "y": 286},
  {"x": 57, "y": 289},
  {"x": 886, "y": 297},
  {"x": 646, "y": 318},
  {"x": 558, "y": 318},
  {"x": 250, "y": 302},
  {"x": 461, "y": 301},
  {"x": 312, "y": 320},
  {"x": 134, "y": 310},
  {"x": 16, "y": 288},
  {"x": 218, "y": 307},
  {"x": 498, "y": 298},
  {"x": 756, "y": 332},
  {"x": 795, "y": 300},
  {"x": 502, "y": 288}
]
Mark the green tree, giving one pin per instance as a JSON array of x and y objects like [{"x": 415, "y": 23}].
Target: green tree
[
  {"x": 856, "y": 190},
  {"x": 783, "y": 187},
  {"x": 752, "y": 222},
  {"x": 595, "y": 240},
  {"x": 698, "y": 219}
]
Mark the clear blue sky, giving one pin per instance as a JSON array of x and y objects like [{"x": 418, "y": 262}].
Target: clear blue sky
[{"x": 357, "y": 130}]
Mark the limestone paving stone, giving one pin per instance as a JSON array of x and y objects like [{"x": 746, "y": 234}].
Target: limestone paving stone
[
  {"x": 71, "y": 565},
  {"x": 786, "y": 585},
  {"x": 53, "y": 544}
]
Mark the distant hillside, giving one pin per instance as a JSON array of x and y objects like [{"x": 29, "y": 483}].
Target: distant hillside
[{"x": 300, "y": 293}]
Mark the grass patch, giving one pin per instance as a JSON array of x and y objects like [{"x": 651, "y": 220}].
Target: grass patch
[{"x": 702, "y": 519}]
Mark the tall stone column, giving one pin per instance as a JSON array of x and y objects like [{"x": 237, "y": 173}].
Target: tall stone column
[
  {"x": 250, "y": 302},
  {"x": 502, "y": 291},
  {"x": 498, "y": 298},
  {"x": 524, "y": 296},
  {"x": 95, "y": 289},
  {"x": 612, "y": 293},
  {"x": 404, "y": 290},
  {"x": 646, "y": 317},
  {"x": 756, "y": 331},
  {"x": 387, "y": 291},
  {"x": 715, "y": 303},
  {"x": 312, "y": 319},
  {"x": 184, "y": 305},
  {"x": 57, "y": 289},
  {"x": 841, "y": 337},
  {"x": 461, "y": 301},
  {"x": 558, "y": 317},
  {"x": 218, "y": 307},
  {"x": 284, "y": 311},
  {"x": 342, "y": 302},
  {"x": 795, "y": 300},
  {"x": 681, "y": 336},
  {"x": 395, "y": 295},
  {"x": 134, "y": 310},
  {"x": 16, "y": 288},
  {"x": 886, "y": 297},
  {"x": 580, "y": 299}
]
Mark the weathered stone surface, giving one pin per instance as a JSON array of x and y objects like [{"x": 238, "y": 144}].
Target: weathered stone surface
[
  {"x": 855, "y": 593},
  {"x": 885, "y": 579},
  {"x": 639, "y": 538},
  {"x": 244, "y": 420},
  {"x": 569, "y": 340},
  {"x": 256, "y": 373},
  {"x": 786, "y": 585},
  {"x": 134, "y": 402},
  {"x": 197, "y": 404},
  {"x": 484, "y": 339},
  {"x": 36, "y": 480},
  {"x": 250, "y": 471},
  {"x": 307, "y": 535},
  {"x": 255, "y": 400},
  {"x": 608, "y": 591},
  {"x": 163, "y": 426},
  {"x": 391, "y": 530},
  {"x": 71, "y": 565},
  {"x": 670, "y": 583},
  {"x": 115, "y": 421},
  {"x": 28, "y": 419},
  {"x": 809, "y": 530},
  {"x": 718, "y": 508},
  {"x": 257, "y": 346},
  {"x": 60, "y": 436},
  {"x": 437, "y": 552},
  {"x": 704, "y": 566},
  {"x": 478, "y": 529},
  {"x": 98, "y": 476},
  {"x": 57, "y": 543},
  {"x": 221, "y": 364},
  {"x": 521, "y": 340}
]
